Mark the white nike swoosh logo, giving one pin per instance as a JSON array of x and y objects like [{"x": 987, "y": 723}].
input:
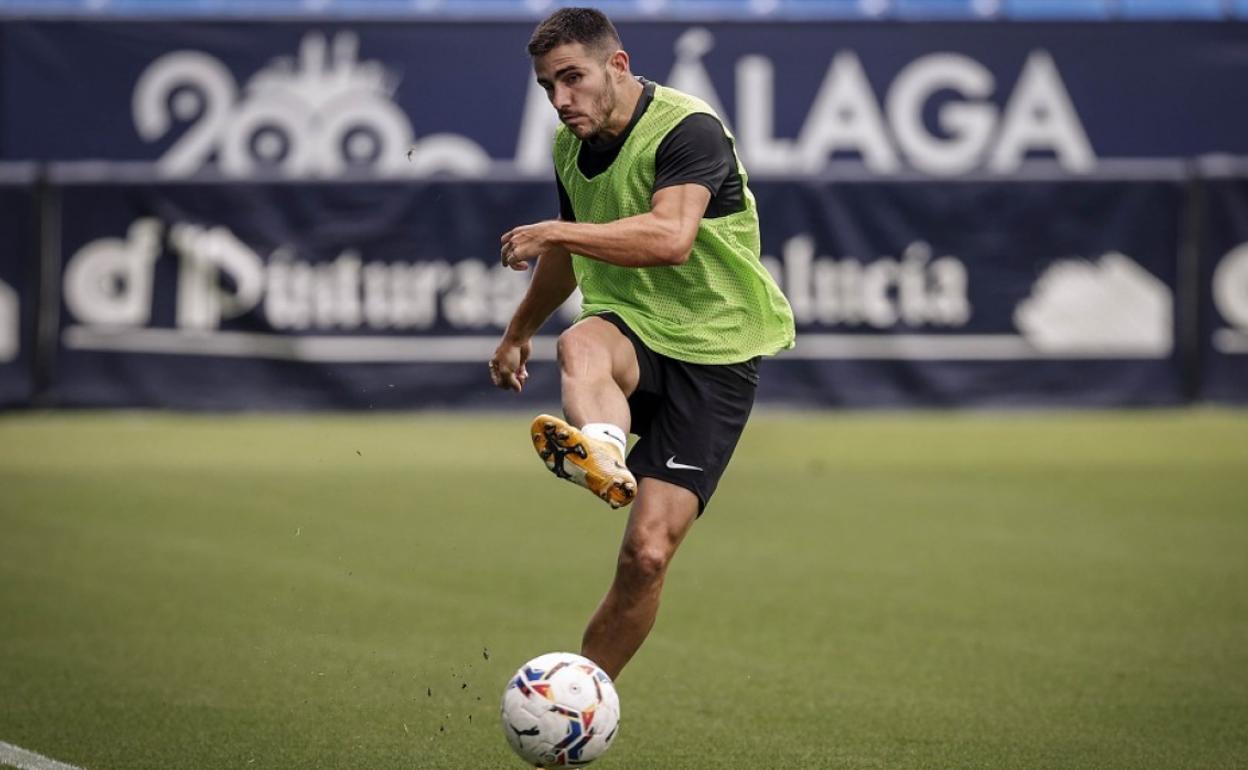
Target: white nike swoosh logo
[{"x": 671, "y": 463}]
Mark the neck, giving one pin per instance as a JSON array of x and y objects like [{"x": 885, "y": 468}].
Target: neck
[{"x": 625, "y": 106}]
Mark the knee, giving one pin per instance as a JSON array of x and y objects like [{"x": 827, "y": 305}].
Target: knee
[
  {"x": 644, "y": 562},
  {"x": 577, "y": 351}
]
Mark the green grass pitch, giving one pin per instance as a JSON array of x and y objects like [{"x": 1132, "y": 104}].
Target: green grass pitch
[{"x": 866, "y": 591}]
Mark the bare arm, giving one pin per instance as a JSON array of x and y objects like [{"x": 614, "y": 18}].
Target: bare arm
[
  {"x": 553, "y": 282},
  {"x": 662, "y": 236}
]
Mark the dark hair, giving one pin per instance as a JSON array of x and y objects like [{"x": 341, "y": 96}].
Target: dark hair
[{"x": 587, "y": 26}]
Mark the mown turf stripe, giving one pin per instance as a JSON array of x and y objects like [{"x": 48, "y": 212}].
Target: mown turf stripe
[{"x": 16, "y": 756}]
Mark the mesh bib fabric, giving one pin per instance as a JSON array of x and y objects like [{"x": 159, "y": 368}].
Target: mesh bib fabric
[{"x": 719, "y": 307}]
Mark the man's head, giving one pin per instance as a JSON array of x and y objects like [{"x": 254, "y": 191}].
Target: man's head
[{"x": 577, "y": 58}]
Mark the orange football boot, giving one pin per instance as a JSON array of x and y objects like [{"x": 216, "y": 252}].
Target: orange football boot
[{"x": 587, "y": 462}]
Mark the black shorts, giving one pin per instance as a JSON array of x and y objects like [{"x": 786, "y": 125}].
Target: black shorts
[{"x": 689, "y": 416}]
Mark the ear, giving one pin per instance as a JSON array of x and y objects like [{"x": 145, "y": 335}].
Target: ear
[{"x": 617, "y": 63}]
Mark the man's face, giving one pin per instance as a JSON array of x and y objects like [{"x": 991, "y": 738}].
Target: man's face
[{"x": 580, "y": 84}]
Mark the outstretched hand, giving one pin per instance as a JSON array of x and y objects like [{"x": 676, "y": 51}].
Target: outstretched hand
[
  {"x": 508, "y": 369},
  {"x": 527, "y": 243}
]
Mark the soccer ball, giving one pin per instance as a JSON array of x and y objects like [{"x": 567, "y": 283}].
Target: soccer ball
[{"x": 560, "y": 710}]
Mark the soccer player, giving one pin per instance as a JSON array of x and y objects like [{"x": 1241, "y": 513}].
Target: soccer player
[{"x": 660, "y": 232}]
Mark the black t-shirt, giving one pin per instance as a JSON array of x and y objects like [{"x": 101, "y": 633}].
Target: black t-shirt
[{"x": 696, "y": 151}]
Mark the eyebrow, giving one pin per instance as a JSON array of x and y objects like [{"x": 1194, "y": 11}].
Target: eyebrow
[{"x": 559, "y": 73}]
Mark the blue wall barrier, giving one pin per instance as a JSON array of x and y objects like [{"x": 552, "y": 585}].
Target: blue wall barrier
[
  {"x": 378, "y": 295},
  {"x": 305, "y": 215},
  {"x": 331, "y": 100},
  {"x": 19, "y": 289},
  {"x": 389, "y": 295},
  {"x": 1224, "y": 282},
  {"x": 986, "y": 293}
]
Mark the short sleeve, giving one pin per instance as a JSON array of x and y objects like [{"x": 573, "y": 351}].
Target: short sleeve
[{"x": 696, "y": 151}]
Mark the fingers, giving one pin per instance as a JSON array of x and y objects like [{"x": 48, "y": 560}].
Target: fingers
[
  {"x": 508, "y": 366},
  {"x": 519, "y": 247},
  {"x": 507, "y": 254},
  {"x": 506, "y": 379},
  {"x": 507, "y": 248}
]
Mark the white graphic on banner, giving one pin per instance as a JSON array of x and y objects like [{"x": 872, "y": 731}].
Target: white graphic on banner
[
  {"x": 689, "y": 75},
  {"x": 326, "y": 113},
  {"x": 321, "y": 115},
  {"x": 109, "y": 287},
  {"x": 846, "y": 117},
  {"x": 915, "y": 290},
  {"x": 1230, "y": 296},
  {"x": 10, "y": 323},
  {"x": 207, "y": 255},
  {"x": 1077, "y": 310},
  {"x": 1111, "y": 306},
  {"x": 975, "y": 133},
  {"x": 108, "y": 282}
]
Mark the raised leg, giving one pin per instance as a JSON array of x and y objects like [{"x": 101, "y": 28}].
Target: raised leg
[{"x": 598, "y": 371}]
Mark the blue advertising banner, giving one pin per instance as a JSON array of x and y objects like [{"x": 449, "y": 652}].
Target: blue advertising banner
[
  {"x": 19, "y": 286},
  {"x": 1224, "y": 327},
  {"x": 329, "y": 100},
  {"x": 977, "y": 293},
  {"x": 389, "y": 295},
  {"x": 290, "y": 296}
]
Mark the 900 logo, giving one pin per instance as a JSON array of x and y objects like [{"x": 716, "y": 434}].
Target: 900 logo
[{"x": 320, "y": 116}]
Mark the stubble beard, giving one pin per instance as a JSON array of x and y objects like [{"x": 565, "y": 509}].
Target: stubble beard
[{"x": 605, "y": 106}]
